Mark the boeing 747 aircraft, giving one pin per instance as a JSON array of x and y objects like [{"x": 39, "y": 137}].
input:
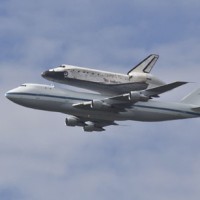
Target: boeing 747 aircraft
[
  {"x": 95, "y": 111},
  {"x": 138, "y": 78}
]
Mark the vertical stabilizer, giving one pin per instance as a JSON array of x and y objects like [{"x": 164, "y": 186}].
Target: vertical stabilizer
[
  {"x": 146, "y": 65},
  {"x": 193, "y": 98}
]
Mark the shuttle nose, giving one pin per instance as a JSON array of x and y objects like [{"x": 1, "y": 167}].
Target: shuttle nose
[
  {"x": 45, "y": 74},
  {"x": 48, "y": 74},
  {"x": 53, "y": 75}
]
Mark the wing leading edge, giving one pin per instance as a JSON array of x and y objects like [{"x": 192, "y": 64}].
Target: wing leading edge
[{"x": 121, "y": 102}]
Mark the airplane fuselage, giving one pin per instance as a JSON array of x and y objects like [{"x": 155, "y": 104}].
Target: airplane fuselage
[{"x": 49, "y": 98}]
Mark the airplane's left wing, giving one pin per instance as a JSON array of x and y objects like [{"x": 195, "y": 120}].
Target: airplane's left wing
[
  {"x": 154, "y": 92},
  {"x": 118, "y": 104},
  {"x": 121, "y": 102}
]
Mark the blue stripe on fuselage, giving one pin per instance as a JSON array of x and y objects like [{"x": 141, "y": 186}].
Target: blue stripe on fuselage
[
  {"x": 47, "y": 95},
  {"x": 168, "y": 109}
]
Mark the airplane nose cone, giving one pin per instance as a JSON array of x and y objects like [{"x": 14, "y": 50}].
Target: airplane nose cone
[
  {"x": 15, "y": 95},
  {"x": 9, "y": 95}
]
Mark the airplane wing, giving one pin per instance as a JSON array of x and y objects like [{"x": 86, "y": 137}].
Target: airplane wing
[
  {"x": 118, "y": 104},
  {"x": 121, "y": 102},
  {"x": 154, "y": 92},
  {"x": 146, "y": 65}
]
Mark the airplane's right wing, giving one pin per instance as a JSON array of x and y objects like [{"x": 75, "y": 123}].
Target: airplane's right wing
[{"x": 146, "y": 65}]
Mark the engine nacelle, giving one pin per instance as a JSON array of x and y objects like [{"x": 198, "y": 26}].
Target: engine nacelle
[
  {"x": 73, "y": 121},
  {"x": 99, "y": 105},
  {"x": 92, "y": 127},
  {"x": 137, "y": 96}
]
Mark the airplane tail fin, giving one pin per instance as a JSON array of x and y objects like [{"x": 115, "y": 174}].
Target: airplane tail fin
[
  {"x": 146, "y": 65},
  {"x": 194, "y": 99}
]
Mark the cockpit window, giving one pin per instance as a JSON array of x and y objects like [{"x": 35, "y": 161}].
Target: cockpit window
[
  {"x": 63, "y": 66},
  {"x": 23, "y": 85}
]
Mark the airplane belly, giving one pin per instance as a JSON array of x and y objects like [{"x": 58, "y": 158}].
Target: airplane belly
[
  {"x": 151, "y": 116},
  {"x": 142, "y": 112},
  {"x": 151, "y": 113},
  {"x": 90, "y": 114},
  {"x": 44, "y": 105}
]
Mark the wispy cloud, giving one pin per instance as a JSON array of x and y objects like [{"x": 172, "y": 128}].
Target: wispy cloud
[{"x": 40, "y": 157}]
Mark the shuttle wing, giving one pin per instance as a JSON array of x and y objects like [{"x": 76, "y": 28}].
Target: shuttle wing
[
  {"x": 146, "y": 65},
  {"x": 121, "y": 102}
]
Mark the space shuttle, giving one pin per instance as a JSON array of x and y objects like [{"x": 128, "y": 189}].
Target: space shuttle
[{"x": 104, "y": 82}]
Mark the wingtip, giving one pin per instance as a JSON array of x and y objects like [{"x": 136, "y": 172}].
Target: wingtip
[
  {"x": 155, "y": 55},
  {"x": 182, "y": 82}
]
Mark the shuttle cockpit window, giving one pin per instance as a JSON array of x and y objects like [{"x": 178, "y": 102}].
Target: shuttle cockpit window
[{"x": 62, "y": 66}]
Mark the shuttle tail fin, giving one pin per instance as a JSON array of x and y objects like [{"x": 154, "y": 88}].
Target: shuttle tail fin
[
  {"x": 146, "y": 65},
  {"x": 194, "y": 99}
]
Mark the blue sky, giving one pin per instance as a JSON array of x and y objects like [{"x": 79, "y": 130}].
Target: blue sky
[{"x": 40, "y": 157}]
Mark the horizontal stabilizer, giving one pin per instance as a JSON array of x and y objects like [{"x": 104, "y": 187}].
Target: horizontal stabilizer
[{"x": 146, "y": 65}]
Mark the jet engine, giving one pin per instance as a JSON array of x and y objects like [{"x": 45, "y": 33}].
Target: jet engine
[
  {"x": 91, "y": 127},
  {"x": 137, "y": 96},
  {"x": 99, "y": 105},
  {"x": 73, "y": 121}
]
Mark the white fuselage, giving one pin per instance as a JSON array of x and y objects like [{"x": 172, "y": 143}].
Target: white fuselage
[
  {"x": 98, "y": 76},
  {"x": 49, "y": 98}
]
